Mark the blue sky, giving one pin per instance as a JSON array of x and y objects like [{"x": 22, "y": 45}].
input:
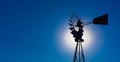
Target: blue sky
[{"x": 29, "y": 29}]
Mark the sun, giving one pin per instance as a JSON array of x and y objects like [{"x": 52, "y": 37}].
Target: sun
[{"x": 69, "y": 43}]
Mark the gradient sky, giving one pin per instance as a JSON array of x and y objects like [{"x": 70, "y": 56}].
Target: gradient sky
[{"x": 29, "y": 29}]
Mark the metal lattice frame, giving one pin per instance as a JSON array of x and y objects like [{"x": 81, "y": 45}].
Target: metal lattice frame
[{"x": 79, "y": 55}]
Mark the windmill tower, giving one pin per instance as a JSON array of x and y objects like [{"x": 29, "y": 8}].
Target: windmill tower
[{"x": 76, "y": 27}]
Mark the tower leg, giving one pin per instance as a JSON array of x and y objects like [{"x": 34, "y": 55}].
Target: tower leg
[
  {"x": 75, "y": 54},
  {"x": 79, "y": 55}
]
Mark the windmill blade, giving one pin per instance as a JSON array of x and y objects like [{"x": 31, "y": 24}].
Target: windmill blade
[
  {"x": 71, "y": 21},
  {"x": 71, "y": 24},
  {"x": 71, "y": 28},
  {"x": 101, "y": 20}
]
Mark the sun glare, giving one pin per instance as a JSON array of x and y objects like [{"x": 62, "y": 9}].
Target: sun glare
[{"x": 69, "y": 43}]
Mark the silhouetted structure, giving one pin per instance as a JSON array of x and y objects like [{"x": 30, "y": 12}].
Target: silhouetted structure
[
  {"x": 101, "y": 20},
  {"x": 77, "y": 32}
]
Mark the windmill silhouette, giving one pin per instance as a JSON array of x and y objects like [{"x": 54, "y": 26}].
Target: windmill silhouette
[{"x": 76, "y": 27}]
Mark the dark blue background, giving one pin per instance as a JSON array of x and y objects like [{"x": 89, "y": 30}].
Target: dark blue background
[{"x": 28, "y": 29}]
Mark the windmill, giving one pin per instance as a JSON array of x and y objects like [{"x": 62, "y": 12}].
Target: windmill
[{"x": 76, "y": 27}]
